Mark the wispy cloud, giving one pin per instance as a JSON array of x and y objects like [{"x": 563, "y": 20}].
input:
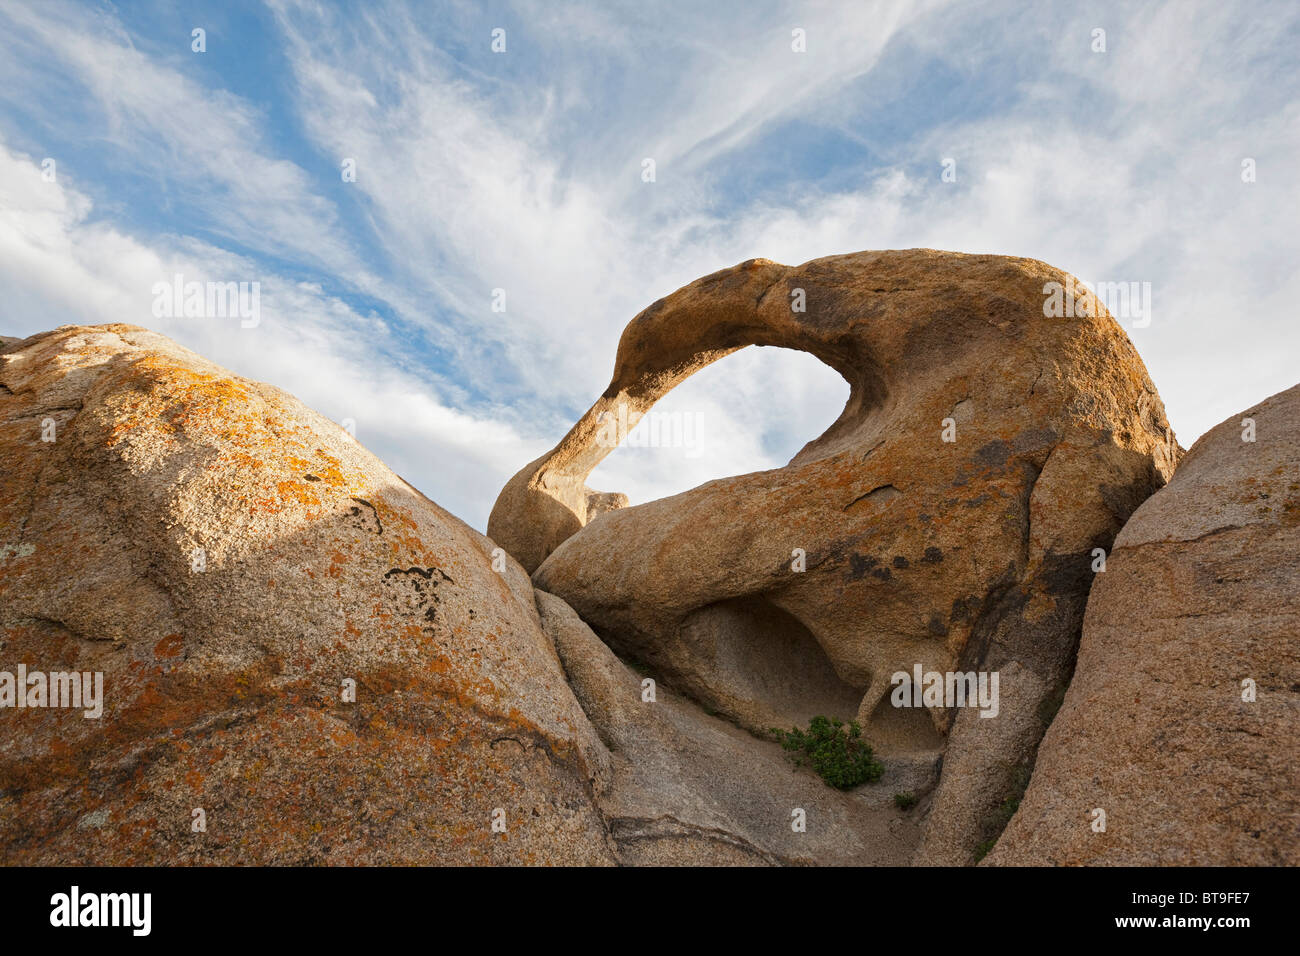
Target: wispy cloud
[
  {"x": 521, "y": 171},
  {"x": 59, "y": 268}
]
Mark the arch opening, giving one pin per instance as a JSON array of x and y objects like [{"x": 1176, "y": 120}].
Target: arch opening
[{"x": 753, "y": 410}]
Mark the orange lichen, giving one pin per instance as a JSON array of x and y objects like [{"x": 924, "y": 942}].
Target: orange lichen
[{"x": 169, "y": 646}]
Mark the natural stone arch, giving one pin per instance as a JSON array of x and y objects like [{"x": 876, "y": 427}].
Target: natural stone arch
[
  {"x": 548, "y": 500},
  {"x": 972, "y": 554}
]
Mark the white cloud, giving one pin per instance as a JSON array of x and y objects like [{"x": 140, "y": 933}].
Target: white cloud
[
  {"x": 57, "y": 268},
  {"x": 522, "y": 172},
  {"x": 208, "y": 142}
]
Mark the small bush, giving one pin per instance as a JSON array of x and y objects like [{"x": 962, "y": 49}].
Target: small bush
[
  {"x": 839, "y": 756},
  {"x": 905, "y": 801}
]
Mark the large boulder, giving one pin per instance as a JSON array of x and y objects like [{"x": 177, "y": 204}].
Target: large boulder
[
  {"x": 234, "y": 565},
  {"x": 1182, "y": 722},
  {"x": 947, "y": 519}
]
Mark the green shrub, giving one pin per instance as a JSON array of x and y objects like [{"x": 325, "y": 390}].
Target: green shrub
[
  {"x": 905, "y": 801},
  {"x": 839, "y": 756}
]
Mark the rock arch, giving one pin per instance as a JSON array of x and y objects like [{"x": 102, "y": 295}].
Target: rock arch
[{"x": 964, "y": 554}]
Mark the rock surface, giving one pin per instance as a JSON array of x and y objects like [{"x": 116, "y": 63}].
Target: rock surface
[
  {"x": 231, "y": 562},
  {"x": 971, "y": 554},
  {"x": 1199, "y": 595},
  {"x": 224, "y": 667},
  {"x": 688, "y": 788}
]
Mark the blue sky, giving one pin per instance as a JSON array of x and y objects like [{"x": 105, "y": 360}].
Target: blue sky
[{"x": 521, "y": 171}]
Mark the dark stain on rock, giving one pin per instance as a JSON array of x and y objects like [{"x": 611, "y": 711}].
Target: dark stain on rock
[
  {"x": 368, "y": 520},
  {"x": 901, "y": 562},
  {"x": 963, "y": 610},
  {"x": 426, "y": 573},
  {"x": 932, "y": 555},
  {"x": 859, "y": 565},
  {"x": 994, "y": 454},
  {"x": 1034, "y": 439},
  {"x": 421, "y": 593}
]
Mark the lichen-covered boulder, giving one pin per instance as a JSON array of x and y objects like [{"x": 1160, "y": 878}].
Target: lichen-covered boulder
[
  {"x": 1179, "y": 740},
  {"x": 303, "y": 659}
]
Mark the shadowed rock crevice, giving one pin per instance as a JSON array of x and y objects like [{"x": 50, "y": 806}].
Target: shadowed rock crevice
[
  {"x": 1181, "y": 723},
  {"x": 755, "y": 663},
  {"x": 903, "y": 729},
  {"x": 686, "y": 787}
]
